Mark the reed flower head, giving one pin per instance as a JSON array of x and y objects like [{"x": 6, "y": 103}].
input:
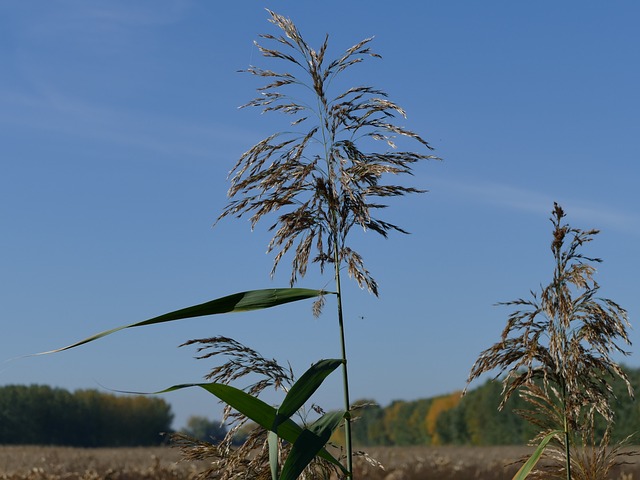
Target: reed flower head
[
  {"x": 321, "y": 180},
  {"x": 557, "y": 348}
]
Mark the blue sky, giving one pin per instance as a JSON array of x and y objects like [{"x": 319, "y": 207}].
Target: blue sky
[{"x": 119, "y": 124}]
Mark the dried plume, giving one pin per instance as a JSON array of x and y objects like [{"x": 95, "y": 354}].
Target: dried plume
[
  {"x": 557, "y": 352},
  {"x": 320, "y": 181}
]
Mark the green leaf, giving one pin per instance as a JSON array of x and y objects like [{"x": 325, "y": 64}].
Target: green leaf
[
  {"x": 309, "y": 443},
  {"x": 525, "y": 470},
  {"x": 272, "y": 440},
  {"x": 302, "y": 390},
  {"x": 238, "y": 302},
  {"x": 254, "y": 409}
]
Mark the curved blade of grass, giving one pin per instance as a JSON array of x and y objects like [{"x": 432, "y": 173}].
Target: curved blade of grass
[
  {"x": 237, "y": 302},
  {"x": 525, "y": 470},
  {"x": 309, "y": 443},
  {"x": 254, "y": 409},
  {"x": 302, "y": 390}
]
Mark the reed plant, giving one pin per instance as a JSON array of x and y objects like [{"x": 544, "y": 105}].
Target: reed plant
[
  {"x": 321, "y": 181},
  {"x": 250, "y": 457},
  {"x": 557, "y": 351},
  {"x": 313, "y": 182}
]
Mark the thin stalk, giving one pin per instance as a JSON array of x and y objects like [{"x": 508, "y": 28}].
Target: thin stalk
[
  {"x": 567, "y": 449},
  {"x": 345, "y": 373},
  {"x": 343, "y": 346},
  {"x": 563, "y": 324},
  {"x": 326, "y": 142}
]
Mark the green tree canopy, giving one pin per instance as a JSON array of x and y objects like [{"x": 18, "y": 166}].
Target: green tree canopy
[{"x": 39, "y": 414}]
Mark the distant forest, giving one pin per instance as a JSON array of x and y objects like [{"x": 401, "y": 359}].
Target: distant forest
[
  {"x": 471, "y": 420},
  {"x": 88, "y": 418},
  {"x": 44, "y": 415}
]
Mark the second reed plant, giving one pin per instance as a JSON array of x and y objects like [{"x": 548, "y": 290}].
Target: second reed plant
[{"x": 557, "y": 351}]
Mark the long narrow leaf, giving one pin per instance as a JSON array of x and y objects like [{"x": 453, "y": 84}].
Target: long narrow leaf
[
  {"x": 309, "y": 443},
  {"x": 525, "y": 470},
  {"x": 272, "y": 440},
  {"x": 302, "y": 390},
  {"x": 237, "y": 302}
]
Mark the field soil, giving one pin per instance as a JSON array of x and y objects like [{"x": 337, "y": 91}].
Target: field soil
[
  {"x": 58, "y": 463},
  {"x": 401, "y": 463},
  {"x": 464, "y": 463}
]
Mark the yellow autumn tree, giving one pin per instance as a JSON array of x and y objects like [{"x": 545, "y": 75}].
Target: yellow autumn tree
[{"x": 438, "y": 406}]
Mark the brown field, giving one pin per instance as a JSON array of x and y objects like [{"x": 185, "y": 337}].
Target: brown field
[
  {"x": 58, "y": 463},
  {"x": 401, "y": 463}
]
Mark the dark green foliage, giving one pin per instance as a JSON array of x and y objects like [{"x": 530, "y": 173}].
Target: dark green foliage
[
  {"x": 202, "y": 428},
  {"x": 476, "y": 420},
  {"x": 401, "y": 423},
  {"x": 452, "y": 427},
  {"x": 417, "y": 424},
  {"x": 407, "y": 424},
  {"x": 627, "y": 411},
  {"x": 396, "y": 422},
  {"x": 368, "y": 426},
  {"x": 44, "y": 415}
]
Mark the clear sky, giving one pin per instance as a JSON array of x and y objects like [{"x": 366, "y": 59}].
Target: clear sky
[{"x": 119, "y": 123}]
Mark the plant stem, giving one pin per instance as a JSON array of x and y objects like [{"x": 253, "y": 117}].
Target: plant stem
[
  {"x": 563, "y": 319},
  {"x": 567, "y": 451},
  {"x": 328, "y": 139},
  {"x": 345, "y": 374},
  {"x": 567, "y": 448}
]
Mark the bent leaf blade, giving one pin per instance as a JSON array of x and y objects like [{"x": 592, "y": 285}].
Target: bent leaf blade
[
  {"x": 237, "y": 302},
  {"x": 306, "y": 385},
  {"x": 525, "y": 470},
  {"x": 309, "y": 443}
]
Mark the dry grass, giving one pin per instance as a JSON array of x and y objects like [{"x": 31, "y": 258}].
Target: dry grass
[
  {"x": 450, "y": 462},
  {"x": 57, "y": 463},
  {"x": 401, "y": 463},
  {"x": 458, "y": 463}
]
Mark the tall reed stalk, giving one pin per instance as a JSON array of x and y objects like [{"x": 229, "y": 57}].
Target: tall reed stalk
[
  {"x": 321, "y": 181},
  {"x": 318, "y": 183},
  {"x": 557, "y": 351}
]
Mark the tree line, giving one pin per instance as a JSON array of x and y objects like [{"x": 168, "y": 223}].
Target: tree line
[
  {"x": 473, "y": 419},
  {"x": 44, "y": 415}
]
